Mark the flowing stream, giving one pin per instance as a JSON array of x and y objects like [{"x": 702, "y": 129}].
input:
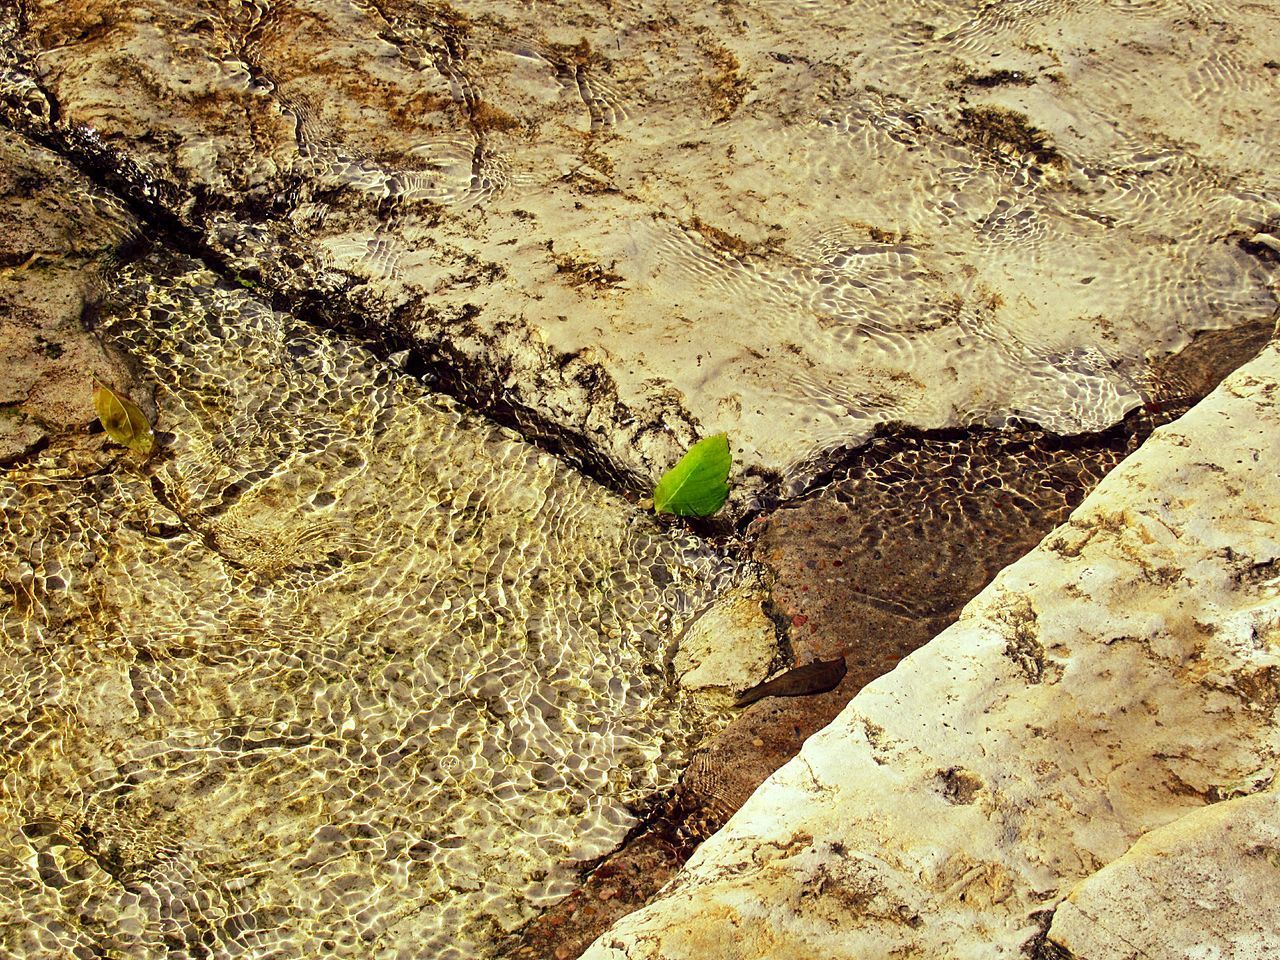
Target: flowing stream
[{"x": 345, "y": 671}]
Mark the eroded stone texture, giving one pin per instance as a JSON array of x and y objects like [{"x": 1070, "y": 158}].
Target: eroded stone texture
[
  {"x": 731, "y": 646},
  {"x": 59, "y": 237},
  {"x": 1203, "y": 886},
  {"x": 1119, "y": 677},
  {"x": 871, "y": 566},
  {"x": 629, "y": 224}
]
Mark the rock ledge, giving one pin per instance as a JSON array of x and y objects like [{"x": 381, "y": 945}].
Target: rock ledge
[{"x": 1122, "y": 677}]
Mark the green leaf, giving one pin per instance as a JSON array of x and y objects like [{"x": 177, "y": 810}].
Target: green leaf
[
  {"x": 698, "y": 485},
  {"x": 121, "y": 418}
]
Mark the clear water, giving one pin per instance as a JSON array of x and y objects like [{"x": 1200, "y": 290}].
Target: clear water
[
  {"x": 344, "y": 672},
  {"x": 791, "y": 221},
  {"x": 348, "y": 672}
]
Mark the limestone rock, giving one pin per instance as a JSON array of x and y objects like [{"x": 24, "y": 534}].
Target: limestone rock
[
  {"x": 731, "y": 646},
  {"x": 58, "y": 239},
  {"x": 1118, "y": 678},
  {"x": 627, "y": 228},
  {"x": 1206, "y": 885}
]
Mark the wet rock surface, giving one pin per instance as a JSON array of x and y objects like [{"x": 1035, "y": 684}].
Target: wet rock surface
[
  {"x": 818, "y": 550},
  {"x": 625, "y": 226},
  {"x": 1117, "y": 678},
  {"x": 828, "y": 231},
  {"x": 704, "y": 663},
  {"x": 60, "y": 238},
  {"x": 870, "y": 567},
  {"x": 331, "y": 672}
]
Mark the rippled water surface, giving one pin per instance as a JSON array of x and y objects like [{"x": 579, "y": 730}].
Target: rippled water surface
[
  {"x": 791, "y": 221},
  {"x": 346, "y": 672}
]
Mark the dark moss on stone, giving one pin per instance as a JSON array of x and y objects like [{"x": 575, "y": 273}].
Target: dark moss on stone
[{"x": 1007, "y": 131}]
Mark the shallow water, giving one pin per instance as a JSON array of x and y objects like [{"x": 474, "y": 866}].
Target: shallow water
[
  {"x": 345, "y": 672},
  {"x": 790, "y": 221},
  {"x": 348, "y": 671}
]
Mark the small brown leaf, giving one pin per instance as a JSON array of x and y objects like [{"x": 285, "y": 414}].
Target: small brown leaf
[{"x": 121, "y": 418}]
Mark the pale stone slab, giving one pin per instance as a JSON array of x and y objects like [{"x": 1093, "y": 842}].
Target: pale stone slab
[
  {"x": 635, "y": 225},
  {"x": 731, "y": 645},
  {"x": 1118, "y": 678},
  {"x": 1205, "y": 887}
]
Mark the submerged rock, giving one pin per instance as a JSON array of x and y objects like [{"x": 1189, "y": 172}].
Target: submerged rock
[
  {"x": 1119, "y": 678},
  {"x": 729, "y": 646},
  {"x": 61, "y": 236},
  {"x": 624, "y": 228},
  {"x": 343, "y": 670}
]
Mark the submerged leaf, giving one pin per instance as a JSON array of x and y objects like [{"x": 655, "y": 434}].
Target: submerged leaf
[
  {"x": 121, "y": 418},
  {"x": 698, "y": 485}
]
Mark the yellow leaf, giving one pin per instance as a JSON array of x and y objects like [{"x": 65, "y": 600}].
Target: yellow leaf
[{"x": 121, "y": 418}]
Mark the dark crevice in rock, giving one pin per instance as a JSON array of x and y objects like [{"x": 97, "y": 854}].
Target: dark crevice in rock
[
  {"x": 1045, "y": 949},
  {"x": 1175, "y": 383},
  {"x": 453, "y": 354},
  {"x": 875, "y": 555},
  {"x": 563, "y": 403},
  {"x": 351, "y": 309},
  {"x": 148, "y": 197},
  {"x": 874, "y": 560}
]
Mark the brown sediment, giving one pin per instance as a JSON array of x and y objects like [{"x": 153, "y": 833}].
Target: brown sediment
[
  {"x": 585, "y": 273},
  {"x": 870, "y": 565},
  {"x": 486, "y": 118},
  {"x": 620, "y": 884},
  {"x": 726, "y": 84},
  {"x": 722, "y": 239},
  {"x": 995, "y": 78}
]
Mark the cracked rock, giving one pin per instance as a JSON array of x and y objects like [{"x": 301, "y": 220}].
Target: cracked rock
[{"x": 1118, "y": 679}]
